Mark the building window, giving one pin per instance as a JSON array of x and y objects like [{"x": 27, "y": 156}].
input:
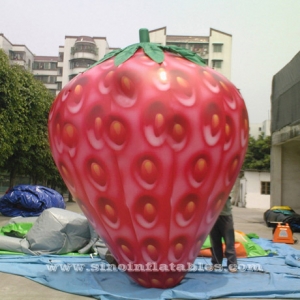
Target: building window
[
  {"x": 217, "y": 47},
  {"x": 17, "y": 55},
  {"x": 46, "y": 78},
  {"x": 81, "y": 63},
  {"x": 205, "y": 61},
  {"x": 265, "y": 187},
  {"x": 84, "y": 47},
  {"x": 178, "y": 44},
  {"x": 217, "y": 64},
  {"x": 44, "y": 65},
  {"x": 199, "y": 48},
  {"x": 53, "y": 92}
]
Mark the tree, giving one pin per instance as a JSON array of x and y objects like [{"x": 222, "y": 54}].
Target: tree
[
  {"x": 258, "y": 154},
  {"x": 8, "y": 94},
  {"x": 24, "y": 108}
]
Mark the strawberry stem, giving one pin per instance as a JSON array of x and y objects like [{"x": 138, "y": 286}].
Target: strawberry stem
[{"x": 144, "y": 35}]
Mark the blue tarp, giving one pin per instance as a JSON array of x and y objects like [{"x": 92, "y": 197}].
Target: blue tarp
[
  {"x": 29, "y": 200},
  {"x": 276, "y": 276}
]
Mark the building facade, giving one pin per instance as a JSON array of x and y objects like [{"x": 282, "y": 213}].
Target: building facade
[
  {"x": 252, "y": 190},
  {"x": 285, "y": 130},
  {"x": 79, "y": 52},
  {"x": 18, "y": 54},
  {"x": 215, "y": 49},
  {"x": 44, "y": 68}
]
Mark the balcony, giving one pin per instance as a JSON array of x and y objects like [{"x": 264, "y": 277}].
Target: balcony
[
  {"x": 80, "y": 64},
  {"x": 51, "y": 86},
  {"x": 19, "y": 62},
  {"x": 45, "y": 72},
  {"x": 85, "y": 50},
  {"x": 17, "y": 55},
  {"x": 87, "y": 55}
]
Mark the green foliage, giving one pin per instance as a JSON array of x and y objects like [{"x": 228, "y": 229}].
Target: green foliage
[
  {"x": 24, "y": 107},
  {"x": 7, "y": 96},
  {"x": 258, "y": 154}
]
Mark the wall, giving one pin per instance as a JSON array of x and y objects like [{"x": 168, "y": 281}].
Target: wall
[
  {"x": 226, "y": 39},
  {"x": 291, "y": 174},
  {"x": 158, "y": 36},
  {"x": 253, "y": 196},
  {"x": 69, "y": 43},
  {"x": 285, "y": 167},
  {"x": 5, "y": 44},
  {"x": 276, "y": 175}
]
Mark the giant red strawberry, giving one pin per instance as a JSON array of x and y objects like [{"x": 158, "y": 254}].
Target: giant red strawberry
[{"x": 150, "y": 141}]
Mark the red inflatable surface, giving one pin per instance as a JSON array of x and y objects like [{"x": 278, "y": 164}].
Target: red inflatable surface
[{"x": 150, "y": 151}]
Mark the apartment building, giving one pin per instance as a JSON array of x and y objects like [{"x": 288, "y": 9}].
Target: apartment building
[
  {"x": 45, "y": 69},
  {"x": 215, "y": 49},
  {"x": 80, "y": 52},
  {"x": 18, "y": 54}
]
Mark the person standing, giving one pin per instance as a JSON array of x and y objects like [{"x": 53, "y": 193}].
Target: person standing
[{"x": 223, "y": 228}]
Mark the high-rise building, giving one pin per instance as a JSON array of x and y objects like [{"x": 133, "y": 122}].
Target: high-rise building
[{"x": 80, "y": 52}]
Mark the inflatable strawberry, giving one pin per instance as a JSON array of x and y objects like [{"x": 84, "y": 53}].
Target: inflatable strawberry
[{"x": 150, "y": 141}]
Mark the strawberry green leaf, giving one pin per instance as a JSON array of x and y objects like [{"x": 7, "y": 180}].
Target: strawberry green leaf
[
  {"x": 106, "y": 57},
  {"x": 154, "y": 51},
  {"x": 125, "y": 54}
]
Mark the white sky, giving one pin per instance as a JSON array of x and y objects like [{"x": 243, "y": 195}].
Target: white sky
[{"x": 265, "y": 33}]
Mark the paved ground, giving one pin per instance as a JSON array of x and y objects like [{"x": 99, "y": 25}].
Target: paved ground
[{"x": 16, "y": 287}]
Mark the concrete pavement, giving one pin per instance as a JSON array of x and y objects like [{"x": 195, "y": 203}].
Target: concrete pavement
[{"x": 14, "y": 287}]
